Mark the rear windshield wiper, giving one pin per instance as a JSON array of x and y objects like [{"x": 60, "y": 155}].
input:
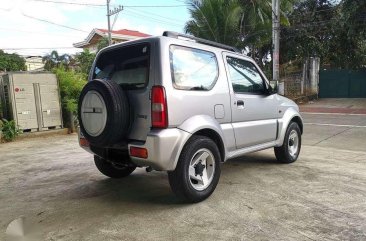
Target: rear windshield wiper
[
  {"x": 131, "y": 85},
  {"x": 198, "y": 88}
]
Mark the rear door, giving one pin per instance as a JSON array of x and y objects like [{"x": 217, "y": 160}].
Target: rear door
[
  {"x": 254, "y": 113},
  {"x": 131, "y": 66}
]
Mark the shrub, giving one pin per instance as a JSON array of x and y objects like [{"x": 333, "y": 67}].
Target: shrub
[
  {"x": 9, "y": 130},
  {"x": 71, "y": 84}
]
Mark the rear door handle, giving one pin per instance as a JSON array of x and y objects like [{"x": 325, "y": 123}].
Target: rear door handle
[{"x": 240, "y": 104}]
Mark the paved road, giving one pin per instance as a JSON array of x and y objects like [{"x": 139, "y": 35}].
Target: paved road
[
  {"x": 341, "y": 131},
  {"x": 54, "y": 184}
]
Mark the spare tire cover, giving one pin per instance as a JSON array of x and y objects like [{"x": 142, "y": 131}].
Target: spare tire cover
[{"x": 103, "y": 112}]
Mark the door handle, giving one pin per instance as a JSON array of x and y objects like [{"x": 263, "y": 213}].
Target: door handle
[{"x": 240, "y": 104}]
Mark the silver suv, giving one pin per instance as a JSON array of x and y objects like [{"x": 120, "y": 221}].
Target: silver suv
[{"x": 184, "y": 105}]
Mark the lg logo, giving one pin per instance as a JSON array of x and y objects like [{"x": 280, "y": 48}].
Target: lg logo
[{"x": 19, "y": 89}]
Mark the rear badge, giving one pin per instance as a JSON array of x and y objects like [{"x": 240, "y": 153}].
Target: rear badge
[{"x": 142, "y": 116}]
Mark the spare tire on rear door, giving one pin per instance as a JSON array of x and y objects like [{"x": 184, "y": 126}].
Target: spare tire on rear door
[{"x": 103, "y": 112}]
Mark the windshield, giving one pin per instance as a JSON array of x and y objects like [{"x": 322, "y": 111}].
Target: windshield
[{"x": 127, "y": 66}]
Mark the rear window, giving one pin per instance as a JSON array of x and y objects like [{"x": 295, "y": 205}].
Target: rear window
[
  {"x": 193, "y": 69},
  {"x": 127, "y": 66}
]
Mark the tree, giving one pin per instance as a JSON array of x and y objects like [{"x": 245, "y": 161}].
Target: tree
[
  {"x": 216, "y": 20},
  {"x": 256, "y": 25},
  {"x": 84, "y": 60},
  {"x": 332, "y": 30},
  {"x": 349, "y": 49},
  {"x": 11, "y": 62},
  {"x": 102, "y": 43},
  {"x": 310, "y": 31},
  {"x": 54, "y": 60},
  {"x": 245, "y": 24}
]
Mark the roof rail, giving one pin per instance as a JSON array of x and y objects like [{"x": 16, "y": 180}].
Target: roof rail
[{"x": 199, "y": 40}]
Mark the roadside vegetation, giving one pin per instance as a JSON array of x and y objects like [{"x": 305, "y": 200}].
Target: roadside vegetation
[
  {"x": 11, "y": 62},
  {"x": 71, "y": 83},
  {"x": 72, "y": 73},
  {"x": 8, "y": 130},
  {"x": 332, "y": 30}
]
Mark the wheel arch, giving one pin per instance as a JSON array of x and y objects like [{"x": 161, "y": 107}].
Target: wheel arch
[
  {"x": 213, "y": 135},
  {"x": 291, "y": 115},
  {"x": 206, "y": 126},
  {"x": 298, "y": 120}
]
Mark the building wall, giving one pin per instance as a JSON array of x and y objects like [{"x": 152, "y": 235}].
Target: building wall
[
  {"x": 93, "y": 48},
  {"x": 34, "y": 63}
]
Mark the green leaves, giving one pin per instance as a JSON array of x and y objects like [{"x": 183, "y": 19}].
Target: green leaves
[
  {"x": 332, "y": 30},
  {"x": 9, "y": 130},
  {"x": 11, "y": 62},
  {"x": 216, "y": 20},
  {"x": 245, "y": 24},
  {"x": 85, "y": 60},
  {"x": 71, "y": 84},
  {"x": 102, "y": 43}
]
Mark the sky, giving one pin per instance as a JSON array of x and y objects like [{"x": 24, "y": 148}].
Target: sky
[{"x": 21, "y": 33}]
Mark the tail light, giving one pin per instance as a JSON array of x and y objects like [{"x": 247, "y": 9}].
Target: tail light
[
  {"x": 84, "y": 142},
  {"x": 159, "y": 110},
  {"x": 138, "y": 152}
]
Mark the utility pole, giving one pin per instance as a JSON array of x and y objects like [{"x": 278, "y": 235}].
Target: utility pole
[
  {"x": 276, "y": 41},
  {"x": 109, "y": 14},
  {"x": 109, "y": 24}
]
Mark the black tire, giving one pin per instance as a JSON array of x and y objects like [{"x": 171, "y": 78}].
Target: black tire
[
  {"x": 179, "y": 179},
  {"x": 110, "y": 170},
  {"x": 282, "y": 153},
  {"x": 117, "y": 108}
]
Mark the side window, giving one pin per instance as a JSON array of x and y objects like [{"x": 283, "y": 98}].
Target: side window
[
  {"x": 193, "y": 69},
  {"x": 244, "y": 76}
]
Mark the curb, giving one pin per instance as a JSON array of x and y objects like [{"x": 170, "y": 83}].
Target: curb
[
  {"x": 332, "y": 110},
  {"x": 28, "y": 135}
]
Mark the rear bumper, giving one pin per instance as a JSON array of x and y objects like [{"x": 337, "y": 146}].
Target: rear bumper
[
  {"x": 163, "y": 148},
  {"x": 83, "y": 143}
]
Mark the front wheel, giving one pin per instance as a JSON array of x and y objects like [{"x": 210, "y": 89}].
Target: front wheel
[
  {"x": 198, "y": 170},
  {"x": 290, "y": 149},
  {"x": 112, "y": 170}
]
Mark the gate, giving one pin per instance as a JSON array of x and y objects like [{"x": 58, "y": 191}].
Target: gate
[{"x": 342, "y": 84}]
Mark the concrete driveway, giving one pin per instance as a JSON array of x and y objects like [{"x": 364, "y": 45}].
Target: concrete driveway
[{"x": 55, "y": 186}]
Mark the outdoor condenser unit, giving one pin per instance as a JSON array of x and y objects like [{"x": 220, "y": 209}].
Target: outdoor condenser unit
[{"x": 31, "y": 99}]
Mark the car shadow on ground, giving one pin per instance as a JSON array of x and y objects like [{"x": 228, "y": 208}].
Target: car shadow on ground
[
  {"x": 152, "y": 188},
  {"x": 254, "y": 159}
]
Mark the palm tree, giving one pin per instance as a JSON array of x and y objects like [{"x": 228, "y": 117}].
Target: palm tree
[
  {"x": 53, "y": 60},
  {"x": 216, "y": 20},
  {"x": 245, "y": 24}
]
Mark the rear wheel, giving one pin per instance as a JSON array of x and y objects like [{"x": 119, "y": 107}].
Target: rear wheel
[
  {"x": 198, "y": 170},
  {"x": 290, "y": 149},
  {"x": 113, "y": 170}
]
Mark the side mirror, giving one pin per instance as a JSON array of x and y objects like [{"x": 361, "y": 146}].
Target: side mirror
[{"x": 273, "y": 87}]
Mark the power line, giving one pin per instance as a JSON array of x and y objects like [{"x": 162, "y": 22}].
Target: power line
[
  {"x": 37, "y": 48},
  {"x": 6, "y": 9},
  {"x": 320, "y": 10},
  {"x": 26, "y": 31},
  {"x": 157, "y": 15},
  {"x": 60, "y": 25},
  {"x": 156, "y": 6},
  {"x": 148, "y": 18},
  {"x": 71, "y": 3},
  {"x": 103, "y": 5}
]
